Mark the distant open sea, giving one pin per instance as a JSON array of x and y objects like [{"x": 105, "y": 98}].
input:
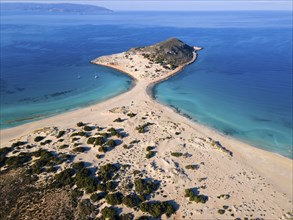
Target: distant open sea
[{"x": 240, "y": 85}]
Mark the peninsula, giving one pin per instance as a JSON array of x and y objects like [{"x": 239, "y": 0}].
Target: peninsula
[{"x": 131, "y": 157}]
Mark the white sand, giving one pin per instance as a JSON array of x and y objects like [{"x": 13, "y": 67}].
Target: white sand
[{"x": 258, "y": 182}]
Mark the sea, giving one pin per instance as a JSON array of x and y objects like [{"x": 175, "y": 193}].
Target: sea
[{"x": 240, "y": 85}]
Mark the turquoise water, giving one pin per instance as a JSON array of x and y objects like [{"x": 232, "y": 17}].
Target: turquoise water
[{"x": 241, "y": 84}]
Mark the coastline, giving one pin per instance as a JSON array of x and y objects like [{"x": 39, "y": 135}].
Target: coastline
[{"x": 275, "y": 169}]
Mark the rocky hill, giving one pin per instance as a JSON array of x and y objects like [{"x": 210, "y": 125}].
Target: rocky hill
[
  {"x": 53, "y": 8},
  {"x": 172, "y": 52}
]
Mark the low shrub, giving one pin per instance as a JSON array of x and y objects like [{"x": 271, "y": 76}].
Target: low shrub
[
  {"x": 109, "y": 213},
  {"x": 60, "y": 134},
  {"x": 118, "y": 120},
  {"x": 18, "y": 143},
  {"x": 131, "y": 114},
  {"x": 80, "y": 124},
  {"x": 149, "y": 148},
  {"x": 79, "y": 149},
  {"x": 110, "y": 143},
  {"x": 144, "y": 187},
  {"x": 114, "y": 198},
  {"x": 102, "y": 149},
  {"x": 39, "y": 138},
  {"x": 98, "y": 196},
  {"x": 78, "y": 165},
  {"x": 91, "y": 140},
  {"x": 131, "y": 200},
  {"x": 150, "y": 154},
  {"x": 87, "y": 128},
  {"x": 64, "y": 178},
  {"x": 64, "y": 146},
  {"x": 176, "y": 154}
]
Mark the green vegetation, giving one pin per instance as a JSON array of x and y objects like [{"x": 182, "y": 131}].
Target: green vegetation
[
  {"x": 131, "y": 114},
  {"x": 79, "y": 149},
  {"x": 18, "y": 143},
  {"x": 131, "y": 200},
  {"x": 106, "y": 172},
  {"x": 191, "y": 167},
  {"x": 142, "y": 128},
  {"x": 60, "y": 134},
  {"x": 221, "y": 211},
  {"x": 84, "y": 180},
  {"x": 114, "y": 198},
  {"x": 150, "y": 154},
  {"x": 80, "y": 133},
  {"x": 99, "y": 141},
  {"x": 109, "y": 213},
  {"x": 64, "y": 178},
  {"x": 98, "y": 196},
  {"x": 87, "y": 128},
  {"x": 118, "y": 120},
  {"x": 156, "y": 209},
  {"x": 225, "y": 196},
  {"x": 126, "y": 216},
  {"x": 149, "y": 148},
  {"x": 17, "y": 161},
  {"x": 114, "y": 132},
  {"x": 102, "y": 149},
  {"x": 46, "y": 142},
  {"x": 80, "y": 124},
  {"x": 39, "y": 138},
  {"x": 99, "y": 156},
  {"x": 194, "y": 197},
  {"x": 78, "y": 165},
  {"x": 64, "y": 146},
  {"x": 110, "y": 143},
  {"x": 176, "y": 154},
  {"x": 144, "y": 187},
  {"x": 91, "y": 140}
]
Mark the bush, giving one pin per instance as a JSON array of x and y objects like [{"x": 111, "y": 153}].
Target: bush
[
  {"x": 131, "y": 114},
  {"x": 111, "y": 186},
  {"x": 87, "y": 128},
  {"x": 78, "y": 165},
  {"x": 127, "y": 216},
  {"x": 39, "y": 138},
  {"x": 80, "y": 133},
  {"x": 107, "y": 171},
  {"x": 221, "y": 211},
  {"x": 17, "y": 161},
  {"x": 176, "y": 154},
  {"x": 131, "y": 201},
  {"x": 144, "y": 187},
  {"x": 149, "y": 148},
  {"x": 91, "y": 140},
  {"x": 118, "y": 120},
  {"x": 191, "y": 167},
  {"x": 114, "y": 198},
  {"x": 99, "y": 141},
  {"x": 109, "y": 213},
  {"x": 150, "y": 154},
  {"x": 195, "y": 198},
  {"x": 98, "y": 196},
  {"x": 65, "y": 177},
  {"x": 78, "y": 150},
  {"x": 60, "y": 134},
  {"x": 64, "y": 146},
  {"x": 110, "y": 143},
  {"x": 144, "y": 217},
  {"x": 102, "y": 149},
  {"x": 99, "y": 156},
  {"x": 84, "y": 180},
  {"x": 80, "y": 124},
  {"x": 18, "y": 143},
  {"x": 157, "y": 209}
]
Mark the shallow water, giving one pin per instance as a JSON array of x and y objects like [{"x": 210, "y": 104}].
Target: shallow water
[{"x": 241, "y": 84}]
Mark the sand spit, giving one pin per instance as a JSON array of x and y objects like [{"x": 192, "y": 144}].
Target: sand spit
[{"x": 234, "y": 179}]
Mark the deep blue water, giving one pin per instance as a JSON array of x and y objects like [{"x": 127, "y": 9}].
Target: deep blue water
[{"x": 241, "y": 84}]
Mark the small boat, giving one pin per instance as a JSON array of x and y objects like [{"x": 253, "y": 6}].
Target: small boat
[
  {"x": 78, "y": 77},
  {"x": 96, "y": 76}
]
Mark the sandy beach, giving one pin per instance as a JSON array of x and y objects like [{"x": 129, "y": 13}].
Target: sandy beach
[{"x": 254, "y": 183}]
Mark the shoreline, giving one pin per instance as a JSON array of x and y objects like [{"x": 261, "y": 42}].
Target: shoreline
[{"x": 224, "y": 173}]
